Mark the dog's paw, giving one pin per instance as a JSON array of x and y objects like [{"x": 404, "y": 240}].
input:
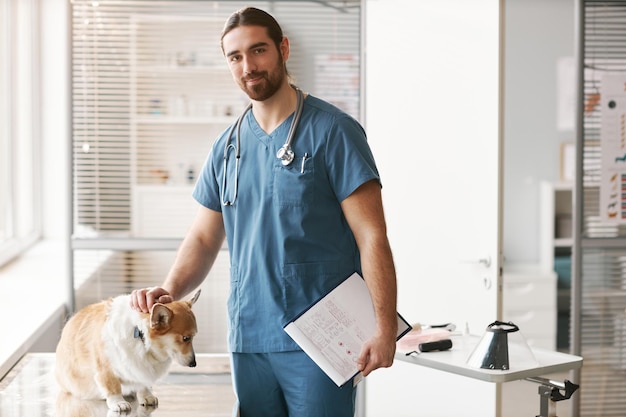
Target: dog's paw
[
  {"x": 149, "y": 401},
  {"x": 121, "y": 407}
]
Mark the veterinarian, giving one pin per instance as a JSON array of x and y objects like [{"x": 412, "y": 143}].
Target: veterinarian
[{"x": 301, "y": 212}]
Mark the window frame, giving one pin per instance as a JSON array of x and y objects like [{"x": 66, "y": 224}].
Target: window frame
[{"x": 20, "y": 182}]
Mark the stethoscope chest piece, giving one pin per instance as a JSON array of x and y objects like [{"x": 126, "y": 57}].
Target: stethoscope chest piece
[{"x": 286, "y": 155}]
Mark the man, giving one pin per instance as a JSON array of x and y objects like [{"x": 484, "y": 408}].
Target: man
[{"x": 298, "y": 221}]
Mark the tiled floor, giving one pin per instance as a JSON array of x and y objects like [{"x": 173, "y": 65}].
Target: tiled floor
[{"x": 29, "y": 390}]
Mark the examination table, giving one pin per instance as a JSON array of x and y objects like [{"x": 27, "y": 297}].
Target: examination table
[{"x": 30, "y": 390}]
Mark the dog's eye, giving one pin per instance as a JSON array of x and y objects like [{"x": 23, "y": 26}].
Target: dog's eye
[{"x": 186, "y": 339}]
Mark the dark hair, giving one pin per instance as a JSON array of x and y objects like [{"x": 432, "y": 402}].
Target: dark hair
[{"x": 251, "y": 16}]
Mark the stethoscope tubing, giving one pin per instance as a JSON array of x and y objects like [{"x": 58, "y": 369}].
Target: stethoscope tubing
[
  {"x": 285, "y": 154},
  {"x": 237, "y": 157}
]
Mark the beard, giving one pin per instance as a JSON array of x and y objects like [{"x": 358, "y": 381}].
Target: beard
[{"x": 271, "y": 82}]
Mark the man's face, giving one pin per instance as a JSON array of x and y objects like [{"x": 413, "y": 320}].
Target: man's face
[{"x": 256, "y": 65}]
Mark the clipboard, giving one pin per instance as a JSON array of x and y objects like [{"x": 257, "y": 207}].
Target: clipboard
[{"x": 333, "y": 330}]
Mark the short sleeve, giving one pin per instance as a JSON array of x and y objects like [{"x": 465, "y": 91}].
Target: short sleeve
[{"x": 350, "y": 160}]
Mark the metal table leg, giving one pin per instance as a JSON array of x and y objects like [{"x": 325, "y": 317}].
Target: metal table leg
[{"x": 550, "y": 393}]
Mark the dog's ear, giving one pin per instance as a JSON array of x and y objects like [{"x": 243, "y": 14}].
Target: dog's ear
[
  {"x": 194, "y": 298},
  {"x": 160, "y": 316}
]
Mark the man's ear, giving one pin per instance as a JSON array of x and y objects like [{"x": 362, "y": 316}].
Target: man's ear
[{"x": 284, "y": 49}]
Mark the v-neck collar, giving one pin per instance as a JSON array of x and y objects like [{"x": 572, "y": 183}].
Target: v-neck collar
[{"x": 278, "y": 134}]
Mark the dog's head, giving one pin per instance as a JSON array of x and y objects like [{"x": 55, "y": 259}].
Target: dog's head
[{"x": 172, "y": 329}]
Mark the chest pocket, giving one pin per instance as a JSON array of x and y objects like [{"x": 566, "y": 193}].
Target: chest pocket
[{"x": 293, "y": 185}]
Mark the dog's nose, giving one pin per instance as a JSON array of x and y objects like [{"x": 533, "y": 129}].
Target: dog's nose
[{"x": 192, "y": 362}]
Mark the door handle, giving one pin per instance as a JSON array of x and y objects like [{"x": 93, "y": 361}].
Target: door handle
[{"x": 485, "y": 261}]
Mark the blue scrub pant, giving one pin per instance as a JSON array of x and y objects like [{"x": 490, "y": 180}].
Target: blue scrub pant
[{"x": 288, "y": 384}]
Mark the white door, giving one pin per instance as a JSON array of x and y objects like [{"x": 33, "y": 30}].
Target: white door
[{"x": 432, "y": 116}]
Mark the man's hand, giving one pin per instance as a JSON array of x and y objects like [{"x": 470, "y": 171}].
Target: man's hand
[
  {"x": 378, "y": 352},
  {"x": 143, "y": 299}
]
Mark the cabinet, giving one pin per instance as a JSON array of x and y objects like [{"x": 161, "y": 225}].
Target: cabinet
[
  {"x": 182, "y": 97},
  {"x": 537, "y": 297},
  {"x": 556, "y": 248},
  {"x": 529, "y": 301}
]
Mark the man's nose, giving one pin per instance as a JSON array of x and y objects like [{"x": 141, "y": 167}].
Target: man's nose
[{"x": 249, "y": 66}]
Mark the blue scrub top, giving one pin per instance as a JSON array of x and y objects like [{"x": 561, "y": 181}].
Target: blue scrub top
[{"x": 288, "y": 239}]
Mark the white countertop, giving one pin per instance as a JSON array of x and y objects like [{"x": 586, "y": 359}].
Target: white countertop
[{"x": 454, "y": 361}]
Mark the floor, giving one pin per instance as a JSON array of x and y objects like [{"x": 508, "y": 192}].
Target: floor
[{"x": 29, "y": 390}]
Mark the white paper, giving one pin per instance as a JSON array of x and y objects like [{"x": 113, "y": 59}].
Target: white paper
[{"x": 333, "y": 330}]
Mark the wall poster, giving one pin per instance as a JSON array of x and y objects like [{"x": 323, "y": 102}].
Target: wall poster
[{"x": 613, "y": 141}]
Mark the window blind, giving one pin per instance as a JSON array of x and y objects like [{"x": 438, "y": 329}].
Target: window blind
[
  {"x": 602, "y": 289},
  {"x": 150, "y": 93}
]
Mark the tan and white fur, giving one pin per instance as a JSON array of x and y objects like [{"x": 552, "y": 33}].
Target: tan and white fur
[{"x": 108, "y": 350}]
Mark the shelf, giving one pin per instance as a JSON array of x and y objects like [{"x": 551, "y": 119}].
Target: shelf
[
  {"x": 165, "y": 188},
  {"x": 182, "y": 97},
  {"x": 155, "y": 119},
  {"x": 182, "y": 69},
  {"x": 566, "y": 242}
]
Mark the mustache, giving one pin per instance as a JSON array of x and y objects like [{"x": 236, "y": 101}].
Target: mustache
[{"x": 255, "y": 75}]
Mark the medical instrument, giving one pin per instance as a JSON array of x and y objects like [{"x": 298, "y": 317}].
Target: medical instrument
[
  {"x": 285, "y": 153},
  {"x": 306, "y": 155},
  {"x": 237, "y": 151}
]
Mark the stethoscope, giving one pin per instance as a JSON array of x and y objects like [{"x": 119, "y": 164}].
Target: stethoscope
[{"x": 285, "y": 153}]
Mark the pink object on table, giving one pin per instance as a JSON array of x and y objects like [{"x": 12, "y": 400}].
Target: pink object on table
[{"x": 412, "y": 339}]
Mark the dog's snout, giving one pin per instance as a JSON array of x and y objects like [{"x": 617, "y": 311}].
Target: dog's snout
[
  {"x": 188, "y": 360},
  {"x": 192, "y": 362}
]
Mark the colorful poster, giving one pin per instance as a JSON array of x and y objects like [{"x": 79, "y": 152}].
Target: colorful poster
[
  {"x": 613, "y": 140},
  {"x": 337, "y": 81}
]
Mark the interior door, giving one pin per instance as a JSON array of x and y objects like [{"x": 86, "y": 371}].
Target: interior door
[{"x": 433, "y": 120}]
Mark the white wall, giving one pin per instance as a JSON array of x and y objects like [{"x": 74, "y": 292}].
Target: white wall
[{"x": 537, "y": 34}]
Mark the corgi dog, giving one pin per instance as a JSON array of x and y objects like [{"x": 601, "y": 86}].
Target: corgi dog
[{"x": 108, "y": 350}]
